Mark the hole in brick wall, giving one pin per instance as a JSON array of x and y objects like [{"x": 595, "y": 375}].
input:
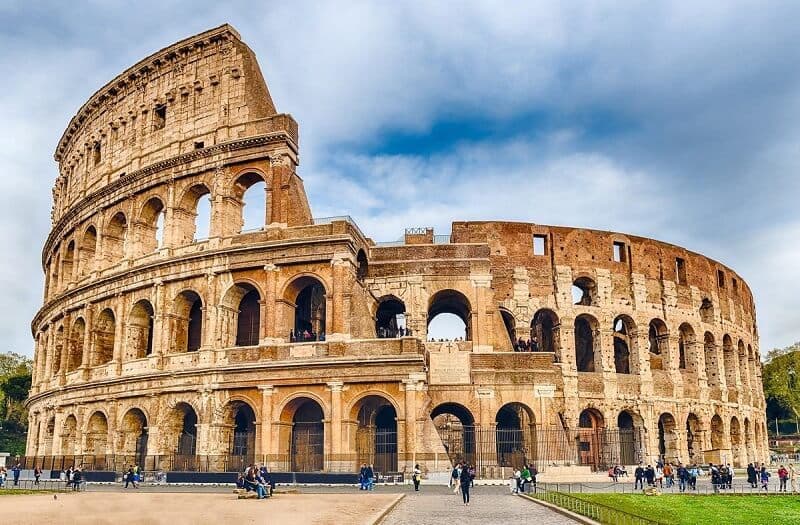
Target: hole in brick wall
[
  {"x": 96, "y": 153},
  {"x": 721, "y": 278},
  {"x": 539, "y": 244},
  {"x": 680, "y": 270},
  {"x": 160, "y": 116},
  {"x": 199, "y": 145},
  {"x": 619, "y": 252},
  {"x": 707, "y": 311},
  {"x": 584, "y": 291}
]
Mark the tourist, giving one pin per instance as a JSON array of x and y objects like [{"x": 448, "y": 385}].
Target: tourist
[
  {"x": 465, "y": 480},
  {"x": 650, "y": 475},
  {"x": 77, "y": 477},
  {"x": 526, "y": 476},
  {"x": 612, "y": 473},
  {"x": 783, "y": 477},
  {"x": 263, "y": 473},
  {"x": 472, "y": 473},
  {"x": 638, "y": 476},
  {"x": 659, "y": 477},
  {"x": 683, "y": 477},
  {"x": 694, "y": 471},
  {"x": 362, "y": 477},
  {"x": 68, "y": 476},
  {"x": 752, "y": 475},
  {"x": 516, "y": 482},
  {"x": 454, "y": 476},
  {"x": 137, "y": 476},
  {"x": 128, "y": 476},
  {"x": 764, "y": 477},
  {"x": 251, "y": 483},
  {"x": 37, "y": 473},
  {"x": 534, "y": 473},
  {"x": 669, "y": 475},
  {"x": 715, "y": 477},
  {"x": 16, "y": 470},
  {"x": 370, "y": 477},
  {"x": 793, "y": 477},
  {"x": 416, "y": 477}
]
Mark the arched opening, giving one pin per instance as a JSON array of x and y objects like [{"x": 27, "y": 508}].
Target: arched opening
[
  {"x": 243, "y": 438},
  {"x": 449, "y": 316},
  {"x": 456, "y": 428},
  {"x": 250, "y": 189},
  {"x": 183, "y": 423},
  {"x": 590, "y": 438},
  {"x": 624, "y": 342},
  {"x": 67, "y": 264},
  {"x": 363, "y": 265},
  {"x": 376, "y": 435},
  {"x": 729, "y": 359},
  {"x": 151, "y": 225},
  {"x": 629, "y": 439},
  {"x": 114, "y": 238},
  {"x": 308, "y": 436},
  {"x": 69, "y": 436},
  {"x": 87, "y": 251},
  {"x": 59, "y": 343},
  {"x": 510, "y": 325},
  {"x": 97, "y": 435},
  {"x": 75, "y": 345},
  {"x": 739, "y": 455},
  {"x": 248, "y": 321},
  {"x": 104, "y": 330},
  {"x": 56, "y": 269},
  {"x": 390, "y": 319},
  {"x": 667, "y": 438},
  {"x": 587, "y": 349},
  {"x": 308, "y": 296},
  {"x": 515, "y": 435},
  {"x": 188, "y": 322},
  {"x": 133, "y": 440},
  {"x": 712, "y": 365},
  {"x": 584, "y": 292},
  {"x": 194, "y": 214},
  {"x": 748, "y": 439},
  {"x": 545, "y": 331},
  {"x": 139, "y": 342},
  {"x": 659, "y": 340},
  {"x": 717, "y": 433},
  {"x": 694, "y": 438},
  {"x": 707, "y": 311},
  {"x": 50, "y": 431},
  {"x": 744, "y": 376},
  {"x": 686, "y": 349}
]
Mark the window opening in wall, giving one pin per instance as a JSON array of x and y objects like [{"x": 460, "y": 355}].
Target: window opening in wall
[
  {"x": 619, "y": 252},
  {"x": 160, "y": 230},
  {"x": 707, "y": 311},
  {"x": 199, "y": 145},
  {"x": 735, "y": 285},
  {"x": 160, "y": 116},
  {"x": 680, "y": 270},
  {"x": 539, "y": 244},
  {"x": 721, "y": 278},
  {"x": 584, "y": 291},
  {"x": 96, "y": 153},
  {"x": 202, "y": 222},
  {"x": 254, "y": 204}
]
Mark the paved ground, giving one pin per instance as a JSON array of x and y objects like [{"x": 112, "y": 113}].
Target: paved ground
[{"x": 488, "y": 506}]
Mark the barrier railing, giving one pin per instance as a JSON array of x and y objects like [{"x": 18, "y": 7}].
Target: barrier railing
[{"x": 590, "y": 509}]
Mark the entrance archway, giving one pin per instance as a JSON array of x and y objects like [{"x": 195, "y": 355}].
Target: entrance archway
[
  {"x": 587, "y": 344},
  {"x": 717, "y": 433},
  {"x": 181, "y": 427},
  {"x": 97, "y": 437},
  {"x": 308, "y": 437},
  {"x": 629, "y": 438},
  {"x": 449, "y": 303},
  {"x": 736, "y": 444},
  {"x": 590, "y": 438},
  {"x": 694, "y": 438},
  {"x": 376, "y": 435},
  {"x": 308, "y": 296},
  {"x": 390, "y": 319},
  {"x": 69, "y": 436},
  {"x": 134, "y": 436},
  {"x": 241, "y": 420},
  {"x": 667, "y": 438},
  {"x": 515, "y": 435},
  {"x": 456, "y": 428}
]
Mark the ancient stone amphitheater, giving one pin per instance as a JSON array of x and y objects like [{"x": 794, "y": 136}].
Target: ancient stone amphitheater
[{"x": 303, "y": 343}]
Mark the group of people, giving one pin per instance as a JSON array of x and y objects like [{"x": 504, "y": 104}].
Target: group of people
[
  {"x": 462, "y": 478},
  {"x": 531, "y": 345},
  {"x": 786, "y": 476},
  {"x": 302, "y": 336},
  {"x": 73, "y": 476},
  {"x": 522, "y": 477},
  {"x": 133, "y": 476},
  {"x": 366, "y": 477},
  {"x": 256, "y": 478},
  {"x": 391, "y": 333},
  {"x": 444, "y": 340},
  {"x": 15, "y": 472}
]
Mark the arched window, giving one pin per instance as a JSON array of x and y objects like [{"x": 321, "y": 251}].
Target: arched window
[
  {"x": 151, "y": 225},
  {"x": 249, "y": 319},
  {"x": 188, "y": 322},
  {"x": 75, "y": 348},
  {"x": 712, "y": 363},
  {"x": 584, "y": 292},
  {"x": 510, "y": 325},
  {"x": 667, "y": 438},
  {"x": 56, "y": 366},
  {"x": 139, "y": 343},
  {"x": 686, "y": 349},
  {"x": 545, "y": 331},
  {"x": 104, "y": 331},
  {"x": 68, "y": 263},
  {"x": 729, "y": 359},
  {"x": 390, "y": 319},
  {"x": 114, "y": 238},
  {"x": 87, "y": 251},
  {"x": 250, "y": 188},
  {"x": 194, "y": 219},
  {"x": 363, "y": 265},
  {"x": 585, "y": 342},
  {"x": 624, "y": 341},
  {"x": 449, "y": 316},
  {"x": 659, "y": 338}
]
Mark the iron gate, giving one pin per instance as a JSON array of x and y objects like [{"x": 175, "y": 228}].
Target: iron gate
[{"x": 308, "y": 443}]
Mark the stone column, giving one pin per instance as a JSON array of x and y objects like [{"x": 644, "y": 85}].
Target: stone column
[
  {"x": 336, "y": 421},
  {"x": 270, "y": 296},
  {"x": 481, "y": 323},
  {"x": 119, "y": 333},
  {"x": 339, "y": 300},
  {"x": 161, "y": 325},
  {"x": 266, "y": 420},
  {"x": 66, "y": 322},
  {"x": 88, "y": 341},
  {"x": 412, "y": 385}
]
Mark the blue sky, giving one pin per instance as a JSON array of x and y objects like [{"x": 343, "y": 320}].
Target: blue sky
[{"x": 669, "y": 120}]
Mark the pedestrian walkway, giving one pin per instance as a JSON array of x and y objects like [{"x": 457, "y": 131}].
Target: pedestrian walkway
[{"x": 489, "y": 505}]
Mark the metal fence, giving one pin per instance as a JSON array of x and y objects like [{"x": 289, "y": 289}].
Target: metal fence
[{"x": 590, "y": 509}]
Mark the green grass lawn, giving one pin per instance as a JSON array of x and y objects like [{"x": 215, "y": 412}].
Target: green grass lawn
[
  {"x": 8, "y": 492},
  {"x": 713, "y": 509}
]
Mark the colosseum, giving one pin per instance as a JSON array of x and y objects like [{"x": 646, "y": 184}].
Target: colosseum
[{"x": 303, "y": 343}]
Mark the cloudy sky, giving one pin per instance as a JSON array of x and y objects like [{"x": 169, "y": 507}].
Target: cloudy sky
[{"x": 675, "y": 121}]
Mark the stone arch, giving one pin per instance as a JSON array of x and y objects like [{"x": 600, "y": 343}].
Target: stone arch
[
  {"x": 150, "y": 226},
  {"x": 729, "y": 360},
  {"x": 188, "y": 314},
  {"x": 186, "y": 215},
  {"x": 712, "y": 363},
  {"x": 75, "y": 348},
  {"x": 115, "y": 238},
  {"x": 456, "y": 426},
  {"x": 303, "y": 416},
  {"x": 515, "y": 433},
  {"x": 68, "y": 263},
  {"x": 744, "y": 376},
  {"x": 687, "y": 358},
  {"x": 55, "y": 269},
  {"x": 588, "y": 355},
  {"x": 510, "y": 325},
  {"x": 249, "y": 189},
  {"x": 179, "y": 434},
  {"x": 694, "y": 438},
  {"x": 589, "y": 435},
  {"x": 59, "y": 343},
  {"x": 748, "y": 438},
  {"x": 584, "y": 291},
  {"x": 240, "y": 424},
  {"x": 104, "y": 331},
  {"x": 451, "y": 302},
  {"x": 134, "y": 434},
  {"x": 306, "y": 296},
  {"x": 717, "y": 433},
  {"x": 658, "y": 337},
  {"x": 738, "y": 454},
  {"x": 707, "y": 311},
  {"x": 390, "y": 318},
  {"x": 629, "y": 425},
  {"x": 376, "y": 433},
  {"x": 139, "y": 340},
  {"x": 546, "y": 330},
  {"x": 241, "y": 313},
  {"x": 668, "y": 438},
  {"x": 362, "y": 265},
  {"x": 625, "y": 345},
  {"x": 87, "y": 251},
  {"x": 97, "y": 434},
  {"x": 69, "y": 436},
  {"x": 49, "y": 434}
]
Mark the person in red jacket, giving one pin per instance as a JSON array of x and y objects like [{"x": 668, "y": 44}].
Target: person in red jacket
[{"x": 783, "y": 476}]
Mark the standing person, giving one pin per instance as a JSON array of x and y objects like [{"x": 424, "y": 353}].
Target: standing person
[
  {"x": 454, "y": 475},
  {"x": 693, "y": 473},
  {"x": 650, "y": 475},
  {"x": 683, "y": 477},
  {"x": 465, "y": 480},
  {"x": 793, "y": 477},
  {"x": 783, "y": 477},
  {"x": 362, "y": 477},
  {"x": 37, "y": 473},
  {"x": 416, "y": 477},
  {"x": 764, "y": 477},
  {"x": 77, "y": 477},
  {"x": 516, "y": 482},
  {"x": 659, "y": 477},
  {"x": 612, "y": 473},
  {"x": 370, "y": 477},
  {"x": 129, "y": 476},
  {"x": 752, "y": 475},
  {"x": 638, "y": 476},
  {"x": 16, "y": 469},
  {"x": 137, "y": 476},
  {"x": 668, "y": 474}
]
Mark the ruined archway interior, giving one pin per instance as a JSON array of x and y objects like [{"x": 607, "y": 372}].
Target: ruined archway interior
[
  {"x": 545, "y": 331},
  {"x": 585, "y": 343},
  {"x": 376, "y": 436},
  {"x": 667, "y": 438},
  {"x": 584, "y": 292},
  {"x": 590, "y": 437},
  {"x": 623, "y": 329},
  {"x": 658, "y": 337},
  {"x": 310, "y": 310},
  {"x": 390, "y": 318},
  {"x": 514, "y": 435},
  {"x": 308, "y": 437},
  {"x": 249, "y": 319},
  {"x": 244, "y": 430},
  {"x": 449, "y": 316},
  {"x": 456, "y": 427}
]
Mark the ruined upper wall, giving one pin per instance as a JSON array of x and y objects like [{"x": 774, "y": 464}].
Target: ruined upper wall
[{"x": 201, "y": 91}]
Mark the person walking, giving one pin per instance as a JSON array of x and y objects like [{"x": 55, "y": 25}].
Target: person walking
[
  {"x": 465, "y": 480},
  {"x": 370, "y": 477},
  {"x": 683, "y": 477},
  {"x": 16, "y": 470},
  {"x": 638, "y": 476},
  {"x": 416, "y": 477},
  {"x": 764, "y": 478},
  {"x": 783, "y": 477},
  {"x": 793, "y": 478},
  {"x": 454, "y": 477},
  {"x": 129, "y": 476},
  {"x": 752, "y": 476},
  {"x": 37, "y": 473}
]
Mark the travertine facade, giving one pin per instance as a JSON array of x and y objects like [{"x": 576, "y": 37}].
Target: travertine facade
[{"x": 151, "y": 342}]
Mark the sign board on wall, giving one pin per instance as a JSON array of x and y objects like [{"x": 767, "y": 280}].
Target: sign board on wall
[{"x": 449, "y": 368}]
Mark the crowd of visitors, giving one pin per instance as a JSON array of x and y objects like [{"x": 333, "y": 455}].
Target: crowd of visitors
[
  {"x": 531, "y": 345},
  {"x": 305, "y": 336},
  {"x": 256, "y": 478},
  {"x": 391, "y": 333},
  {"x": 73, "y": 476}
]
